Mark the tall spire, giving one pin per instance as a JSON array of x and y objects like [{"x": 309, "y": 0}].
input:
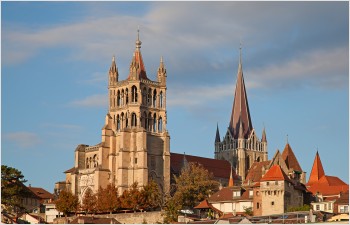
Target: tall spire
[
  {"x": 317, "y": 171},
  {"x": 240, "y": 109},
  {"x": 137, "y": 62},
  {"x": 217, "y": 137},
  {"x": 113, "y": 72},
  {"x": 263, "y": 138}
]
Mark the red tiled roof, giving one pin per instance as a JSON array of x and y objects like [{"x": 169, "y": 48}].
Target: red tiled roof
[
  {"x": 275, "y": 173},
  {"x": 226, "y": 194},
  {"x": 219, "y": 168},
  {"x": 41, "y": 193},
  {"x": 317, "y": 171},
  {"x": 203, "y": 205},
  {"x": 255, "y": 171},
  {"x": 290, "y": 159},
  {"x": 325, "y": 189},
  {"x": 344, "y": 198}
]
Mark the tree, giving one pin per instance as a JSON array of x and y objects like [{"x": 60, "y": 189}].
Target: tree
[
  {"x": 130, "y": 198},
  {"x": 66, "y": 203},
  {"x": 107, "y": 199},
  {"x": 151, "y": 196},
  {"x": 171, "y": 210},
  {"x": 89, "y": 201},
  {"x": 193, "y": 185},
  {"x": 248, "y": 210},
  {"x": 12, "y": 188}
]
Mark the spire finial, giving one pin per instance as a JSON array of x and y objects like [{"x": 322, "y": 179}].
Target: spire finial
[
  {"x": 138, "y": 42},
  {"x": 240, "y": 52},
  {"x": 161, "y": 59},
  {"x": 287, "y": 139},
  {"x": 113, "y": 58}
]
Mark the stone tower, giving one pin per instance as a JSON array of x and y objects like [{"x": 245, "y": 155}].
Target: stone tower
[
  {"x": 135, "y": 144},
  {"x": 240, "y": 145}
]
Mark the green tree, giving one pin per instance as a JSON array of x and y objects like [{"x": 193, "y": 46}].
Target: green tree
[
  {"x": 151, "y": 196},
  {"x": 193, "y": 185},
  {"x": 248, "y": 210},
  {"x": 300, "y": 208},
  {"x": 171, "y": 210},
  {"x": 89, "y": 202},
  {"x": 12, "y": 188},
  {"x": 66, "y": 203}
]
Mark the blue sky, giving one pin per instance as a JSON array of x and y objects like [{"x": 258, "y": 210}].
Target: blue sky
[{"x": 56, "y": 55}]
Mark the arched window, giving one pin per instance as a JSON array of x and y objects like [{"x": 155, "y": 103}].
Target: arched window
[
  {"x": 95, "y": 161},
  {"x": 145, "y": 119},
  {"x": 149, "y": 119},
  {"x": 154, "y": 123},
  {"x": 90, "y": 162},
  {"x": 133, "y": 120},
  {"x": 160, "y": 124},
  {"x": 118, "y": 122},
  {"x": 118, "y": 98},
  {"x": 87, "y": 163},
  {"x": 134, "y": 94},
  {"x": 161, "y": 99},
  {"x": 122, "y": 121},
  {"x": 122, "y": 98},
  {"x": 126, "y": 96},
  {"x": 144, "y": 96},
  {"x": 155, "y": 98},
  {"x": 149, "y": 96}
]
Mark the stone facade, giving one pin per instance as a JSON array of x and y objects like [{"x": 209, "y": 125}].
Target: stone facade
[
  {"x": 135, "y": 145},
  {"x": 241, "y": 145}
]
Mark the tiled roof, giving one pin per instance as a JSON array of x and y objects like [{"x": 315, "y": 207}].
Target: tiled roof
[
  {"x": 344, "y": 198},
  {"x": 226, "y": 195},
  {"x": 41, "y": 193},
  {"x": 219, "y": 168},
  {"x": 275, "y": 173},
  {"x": 255, "y": 171},
  {"x": 290, "y": 159},
  {"x": 71, "y": 170},
  {"x": 317, "y": 171},
  {"x": 206, "y": 205},
  {"x": 327, "y": 190}
]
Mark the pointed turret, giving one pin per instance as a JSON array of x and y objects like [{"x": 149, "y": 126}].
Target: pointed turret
[
  {"x": 240, "y": 108},
  {"x": 137, "y": 67},
  {"x": 290, "y": 159},
  {"x": 230, "y": 182},
  {"x": 217, "y": 137},
  {"x": 184, "y": 162},
  {"x": 317, "y": 171},
  {"x": 113, "y": 72},
  {"x": 161, "y": 72},
  {"x": 263, "y": 138}
]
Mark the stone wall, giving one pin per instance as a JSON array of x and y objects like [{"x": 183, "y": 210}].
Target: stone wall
[{"x": 139, "y": 217}]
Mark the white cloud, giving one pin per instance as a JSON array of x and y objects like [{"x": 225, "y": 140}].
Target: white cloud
[
  {"x": 98, "y": 100},
  {"x": 63, "y": 126},
  {"x": 23, "y": 139}
]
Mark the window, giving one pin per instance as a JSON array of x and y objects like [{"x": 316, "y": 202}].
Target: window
[
  {"x": 134, "y": 94},
  {"x": 267, "y": 183},
  {"x": 250, "y": 193},
  {"x": 257, "y": 193},
  {"x": 135, "y": 160},
  {"x": 161, "y": 99},
  {"x": 317, "y": 207},
  {"x": 276, "y": 182},
  {"x": 133, "y": 120},
  {"x": 154, "y": 123},
  {"x": 272, "y": 203},
  {"x": 257, "y": 205},
  {"x": 330, "y": 206},
  {"x": 160, "y": 124},
  {"x": 155, "y": 98},
  {"x": 274, "y": 192},
  {"x": 236, "y": 193}
]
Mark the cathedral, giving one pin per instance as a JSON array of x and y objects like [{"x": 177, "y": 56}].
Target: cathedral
[
  {"x": 135, "y": 143},
  {"x": 240, "y": 145}
]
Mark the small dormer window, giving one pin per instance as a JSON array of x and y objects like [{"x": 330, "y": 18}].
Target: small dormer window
[
  {"x": 236, "y": 194},
  {"x": 250, "y": 193}
]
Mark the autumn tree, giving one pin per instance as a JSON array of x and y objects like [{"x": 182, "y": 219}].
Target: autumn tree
[
  {"x": 66, "y": 202},
  {"x": 107, "y": 199},
  {"x": 150, "y": 196},
  {"x": 89, "y": 202},
  {"x": 12, "y": 188},
  {"x": 130, "y": 198},
  {"x": 194, "y": 184}
]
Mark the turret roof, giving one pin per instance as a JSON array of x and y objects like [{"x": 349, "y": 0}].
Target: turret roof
[
  {"x": 138, "y": 61},
  {"x": 317, "y": 171},
  {"x": 275, "y": 173},
  {"x": 290, "y": 159}
]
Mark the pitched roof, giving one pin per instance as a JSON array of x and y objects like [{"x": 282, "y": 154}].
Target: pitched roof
[
  {"x": 226, "y": 195},
  {"x": 71, "y": 170},
  {"x": 325, "y": 189},
  {"x": 255, "y": 171},
  {"x": 290, "y": 159},
  {"x": 41, "y": 193},
  {"x": 219, "y": 168},
  {"x": 137, "y": 61},
  {"x": 275, "y": 173},
  {"x": 317, "y": 171},
  {"x": 344, "y": 198},
  {"x": 240, "y": 109}
]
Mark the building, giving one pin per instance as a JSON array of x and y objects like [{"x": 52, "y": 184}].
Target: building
[
  {"x": 43, "y": 196},
  {"x": 326, "y": 189},
  {"x": 241, "y": 145},
  {"x": 51, "y": 212},
  {"x": 135, "y": 143}
]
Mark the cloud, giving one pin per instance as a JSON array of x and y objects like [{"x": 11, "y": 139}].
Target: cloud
[
  {"x": 23, "y": 139},
  {"x": 98, "y": 100},
  {"x": 62, "y": 126}
]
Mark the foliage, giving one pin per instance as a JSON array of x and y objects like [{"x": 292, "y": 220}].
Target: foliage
[
  {"x": 150, "y": 196},
  {"x": 171, "y": 210},
  {"x": 107, "y": 199},
  {"x": 89, "y": 201},
  {"x": 66, "y": 202},
  {"x": 193, "y": 185},
  {"x": 248, "y": 210},
  {"x": 300, "y": 208},
  {"x": 130, "y": 198},
  {"x": 12, "y": 188}
]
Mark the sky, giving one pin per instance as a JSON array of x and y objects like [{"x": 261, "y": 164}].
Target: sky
[{"x": 55, "y": 58}]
